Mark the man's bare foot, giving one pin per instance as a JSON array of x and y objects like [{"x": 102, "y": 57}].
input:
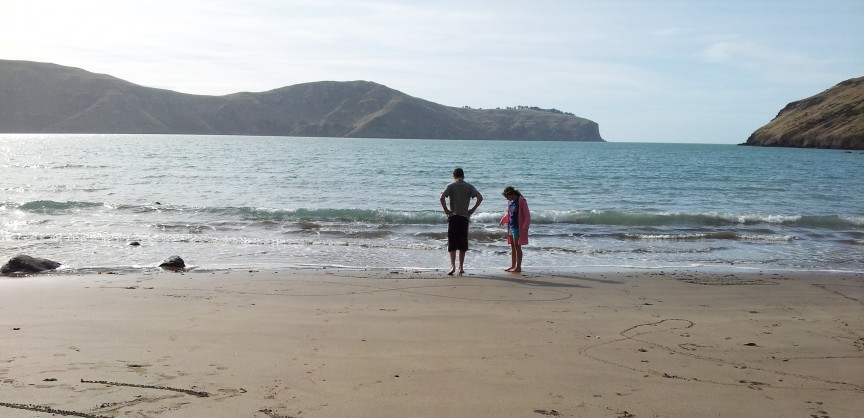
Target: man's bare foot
[
  {"x": 461, "y": 272},
  {"x": 509, "y": 269},
  {"x": 516, "y": 270}
]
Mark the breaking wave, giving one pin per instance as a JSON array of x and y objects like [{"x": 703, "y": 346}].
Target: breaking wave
[{"x": 308, "y": 216}]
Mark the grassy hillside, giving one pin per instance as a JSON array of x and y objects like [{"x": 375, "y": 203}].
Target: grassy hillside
[
  {"x": 831, "y": 119},
  {"x": 49, "y": 98}
]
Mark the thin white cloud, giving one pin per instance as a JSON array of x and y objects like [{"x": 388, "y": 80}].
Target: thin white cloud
[
  {"x": 772, "y": 65},
  {"x": 750, "y": 54}
]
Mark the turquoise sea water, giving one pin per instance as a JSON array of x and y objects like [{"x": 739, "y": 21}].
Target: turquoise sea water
[{"x": 273, "y": 202}]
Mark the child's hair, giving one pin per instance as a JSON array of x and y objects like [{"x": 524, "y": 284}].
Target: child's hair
[
  {"x": 510, "y": 189},
  {"x": 458, "y": 173}
]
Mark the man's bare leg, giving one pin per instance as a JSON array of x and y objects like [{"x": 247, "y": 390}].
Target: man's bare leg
[{"x": 452, "y": 263}]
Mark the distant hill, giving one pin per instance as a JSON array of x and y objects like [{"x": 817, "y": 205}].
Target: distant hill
[
  {"x": 831, "y": 119},
  {"x": 49, "y": 98}
]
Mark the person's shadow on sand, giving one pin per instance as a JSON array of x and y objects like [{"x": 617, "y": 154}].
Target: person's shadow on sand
[{"x": 531, "y": 281}]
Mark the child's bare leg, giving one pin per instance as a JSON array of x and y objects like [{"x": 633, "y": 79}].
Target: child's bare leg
[
  {"x": 512, "y": 257},
  {"x": 517, "y": 258}
]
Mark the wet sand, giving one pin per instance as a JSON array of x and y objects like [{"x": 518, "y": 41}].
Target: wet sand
[{"x": 343, "y": 343}]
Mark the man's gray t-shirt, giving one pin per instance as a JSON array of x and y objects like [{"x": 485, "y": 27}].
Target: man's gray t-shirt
[{"x": 460, "y": 193}]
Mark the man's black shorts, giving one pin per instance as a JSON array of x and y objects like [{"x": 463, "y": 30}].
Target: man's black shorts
[{"x": 457, "y": 233}]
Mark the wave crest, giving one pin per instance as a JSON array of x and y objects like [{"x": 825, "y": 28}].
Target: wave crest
[{"x": 427, "y": 217}]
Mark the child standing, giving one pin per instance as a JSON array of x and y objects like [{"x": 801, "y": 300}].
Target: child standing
[{"x": 518, "y": 219}]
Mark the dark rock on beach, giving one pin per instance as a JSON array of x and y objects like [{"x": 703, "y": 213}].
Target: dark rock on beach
[
  {"x": 27, "y": 264},
  {"x": 832, "y": 119},
  {"x": 173, "y": 263}
]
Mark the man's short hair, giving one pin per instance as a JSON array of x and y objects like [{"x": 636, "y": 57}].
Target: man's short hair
[{"x": 458, "y": 173}]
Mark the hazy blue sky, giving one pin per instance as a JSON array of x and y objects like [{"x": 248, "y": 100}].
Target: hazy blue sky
[{"x": 660, "y": 71}]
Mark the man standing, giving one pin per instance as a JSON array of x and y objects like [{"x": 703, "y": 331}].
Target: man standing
[{"x": 460, "y": 193}]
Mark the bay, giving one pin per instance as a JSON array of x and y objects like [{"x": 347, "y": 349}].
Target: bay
[{"x": 224, "y": 202}]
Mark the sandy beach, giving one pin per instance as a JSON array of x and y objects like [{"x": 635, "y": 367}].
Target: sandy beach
[{"x": 352, "y": 343}]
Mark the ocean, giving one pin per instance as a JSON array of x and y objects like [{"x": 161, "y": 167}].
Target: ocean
[{"x": 238, "y": 202}]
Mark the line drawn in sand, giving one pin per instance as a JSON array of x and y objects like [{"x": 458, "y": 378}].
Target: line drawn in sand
[
  {"x": 55, "y": 411},
  {"x": 673, "y": 324}
]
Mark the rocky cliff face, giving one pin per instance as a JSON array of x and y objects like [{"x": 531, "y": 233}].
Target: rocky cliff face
[
  {"x": 831, "y": 119},
  {"x": 49, "y": 98}
]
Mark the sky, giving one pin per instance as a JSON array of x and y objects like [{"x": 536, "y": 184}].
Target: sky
[{"x": 687, "y": 71}]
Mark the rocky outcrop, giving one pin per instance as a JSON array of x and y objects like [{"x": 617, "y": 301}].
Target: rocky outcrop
[
  {"x": 49, "y": 98},
  {"x": 174, "y": 263},
  {"x": 27, "y": 264},
  {"x": 831, "y": 119}
]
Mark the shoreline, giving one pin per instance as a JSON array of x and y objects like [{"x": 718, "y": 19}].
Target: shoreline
[
  {"x": 413, "y": 342},
  {"x": 605, "y": 269}
]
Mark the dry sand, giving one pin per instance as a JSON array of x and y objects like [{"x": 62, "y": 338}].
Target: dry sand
[{"x": 423, "y": 344}]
